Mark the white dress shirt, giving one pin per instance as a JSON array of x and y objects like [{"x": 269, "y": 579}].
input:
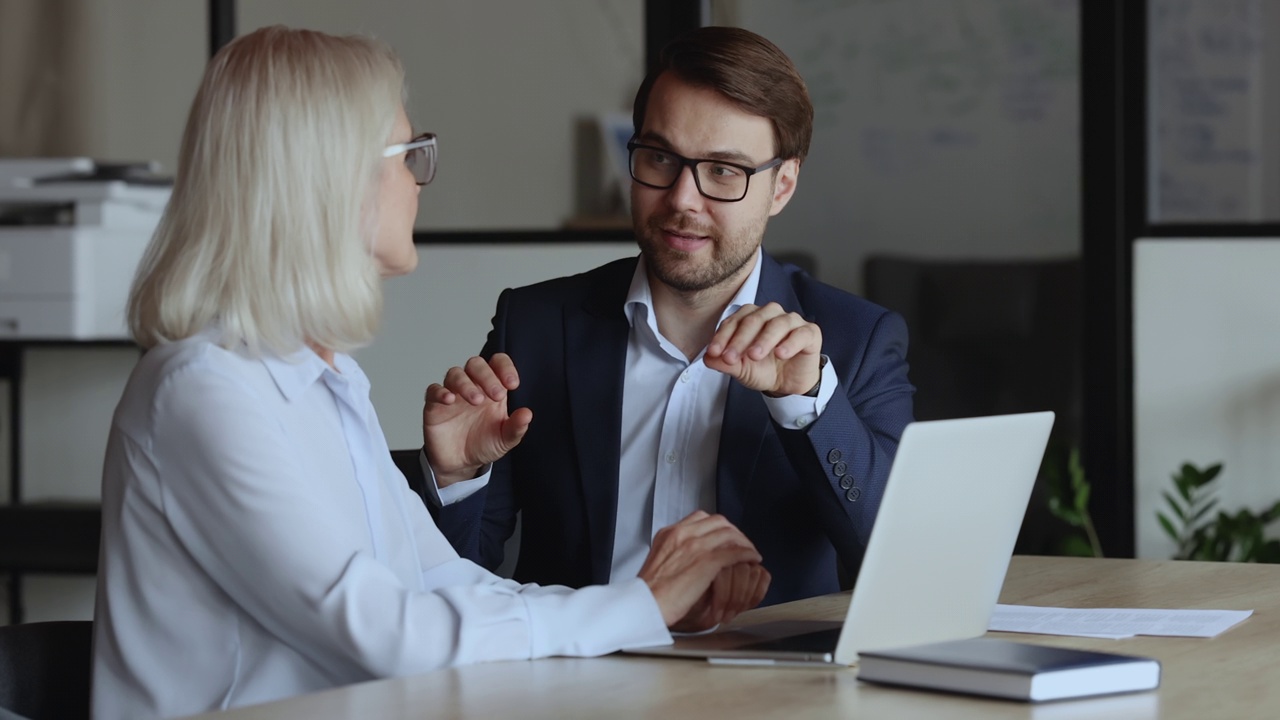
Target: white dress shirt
[
  {"x": 258, "y": 543},
  {"x": 672, "y": 413}
]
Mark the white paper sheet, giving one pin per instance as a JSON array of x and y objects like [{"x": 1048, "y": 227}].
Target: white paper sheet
[{"x": 1114, "y": 623}]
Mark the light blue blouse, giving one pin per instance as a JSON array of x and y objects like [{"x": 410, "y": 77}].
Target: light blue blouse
[{"x": 258, "y": 543}]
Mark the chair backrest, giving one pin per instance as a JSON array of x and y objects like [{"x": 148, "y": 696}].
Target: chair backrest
[
  {"x": 987, "y": 337},
  {"x": 993, "y": 337},
  {"x": 409, "y": 463},
  {"x": 45, "y": 669}
]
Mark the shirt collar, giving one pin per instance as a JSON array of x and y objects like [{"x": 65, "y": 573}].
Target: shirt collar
[
  {"x": 641, "y": 296},
  {"x": 296, "y": 372}
]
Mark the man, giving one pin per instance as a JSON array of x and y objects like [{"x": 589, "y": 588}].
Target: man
[{"x": 701, "y": 376}]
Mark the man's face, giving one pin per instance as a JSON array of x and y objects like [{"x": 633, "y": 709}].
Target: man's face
[{"x": 692, "y": 243}]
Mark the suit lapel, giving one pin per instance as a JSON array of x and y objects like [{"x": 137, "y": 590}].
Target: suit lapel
[
  {"x": 746, "y": 418},
  {"x": 595, "y": 359}
]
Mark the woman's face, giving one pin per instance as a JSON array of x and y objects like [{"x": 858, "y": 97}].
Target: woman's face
[{"x": 397, "y": 207}]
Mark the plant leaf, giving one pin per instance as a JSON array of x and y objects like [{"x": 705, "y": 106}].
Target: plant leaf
[
  {"x": 1168, "y": 527},
  {"x": 1204, "y": 510},
  {"x": 1185, "y": 482},
  {"x": 1177, "y": 509},
  {"x": 1210, "y": 473}
]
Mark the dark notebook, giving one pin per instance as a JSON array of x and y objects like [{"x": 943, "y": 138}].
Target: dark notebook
[{"x": 1008, "y": 669}]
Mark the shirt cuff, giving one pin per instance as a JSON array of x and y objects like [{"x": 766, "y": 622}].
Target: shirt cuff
[
  {"x": 454, "y": 493},
  {"x": 797, "y": 412},
  {"x": 595, "y": 620}
]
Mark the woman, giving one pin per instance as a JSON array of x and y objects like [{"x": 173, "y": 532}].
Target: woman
[{"x": 257, "y": 540}]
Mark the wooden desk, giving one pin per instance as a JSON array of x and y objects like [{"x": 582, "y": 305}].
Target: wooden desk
[{"x": 1236, "y": 675}]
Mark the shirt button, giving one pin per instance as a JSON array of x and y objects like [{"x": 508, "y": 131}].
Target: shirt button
[
  {"x": 684, "y": 376},
  {"x": 801, "y": 422},
  {"x": 853, "y": 494},
  {"x": 671, "y": 457},
  {"x": 834, "y": 456}
]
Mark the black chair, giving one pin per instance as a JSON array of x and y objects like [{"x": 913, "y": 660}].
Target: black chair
[
  {"x": 45, "y": 670},
  {"x": 409, "y": 464},
  {"x": 989, "y": 338},
  {"x": 50, "y": 537},
  {"x": 47, "y": 537}
]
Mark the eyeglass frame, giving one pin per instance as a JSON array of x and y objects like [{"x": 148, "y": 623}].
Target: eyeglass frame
[
  {"x": 692, "y": 164},
  {"x": 426, "y": 139}
]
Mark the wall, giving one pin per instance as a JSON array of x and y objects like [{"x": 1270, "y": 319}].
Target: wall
[
  {"x": 942, "y": 130},
  {"x": 508, "y": 85},
  {"x": 1206, "y": 373},
  {"x": 513, "y": 101}
]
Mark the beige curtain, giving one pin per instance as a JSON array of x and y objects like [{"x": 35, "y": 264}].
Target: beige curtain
[{"x": 42, "y": 78}]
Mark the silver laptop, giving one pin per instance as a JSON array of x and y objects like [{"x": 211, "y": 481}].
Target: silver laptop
[{"x": 938, "y": 553}]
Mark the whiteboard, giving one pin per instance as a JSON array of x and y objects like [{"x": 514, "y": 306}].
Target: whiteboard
[
  {"x": 1213, "y": 88},
  {"x": 942, "y": 129}
]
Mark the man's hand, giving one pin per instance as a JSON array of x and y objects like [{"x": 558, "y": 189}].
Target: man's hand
[
  {"x": 465, "y": 424},
  {"x": 767, "y": 349},
  {"x": 687, "y": 559},
  {"x": 737, "y": 588}
]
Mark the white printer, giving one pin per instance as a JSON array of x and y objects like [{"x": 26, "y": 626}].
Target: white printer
[{"x": 72, "y": 232}]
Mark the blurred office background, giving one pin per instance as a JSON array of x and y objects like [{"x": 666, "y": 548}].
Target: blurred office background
[{"x": 1074, "y": 202}]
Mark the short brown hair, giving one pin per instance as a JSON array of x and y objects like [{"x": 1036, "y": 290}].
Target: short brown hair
[{"x": 748, "y": 70}]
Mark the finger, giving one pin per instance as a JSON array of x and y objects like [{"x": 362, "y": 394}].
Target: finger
[
  {"x": 690, "y": 524},
  {"x": 698, "y": 524},
  {"x": 723, "y": 592},
  {"x": 723, "y": 540},
  {"x": 804, "y": 339},
  {"x": 716, "y": 531},
  {"x": 437, "y": 394},
  {"x": 458, "y": 382},
  {"x": 694, "y": 516},
  {"x": 727, "y": 555},
  {"x": 515, "y": 427},
  {"x": 763, "y": 578},
  {"x": 676, "y": 551},
  {"x": 484, "y": 377},
  {"x": 748, "y": 590},
  {"x": 749, "y": 329},
  {"x": 698, "y": 618},
  {"x": 691, "y": 543},
  {"x": 772, "y": 333},
  {"x": 727, "y": 328},
  {"x": 505, "y": 369},
  {"x": 678, "y": 588}
]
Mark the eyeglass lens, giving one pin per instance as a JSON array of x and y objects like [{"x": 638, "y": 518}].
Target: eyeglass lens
[
  {"x": 718, "y": 181},
  {"x": 422, "y": 163}
]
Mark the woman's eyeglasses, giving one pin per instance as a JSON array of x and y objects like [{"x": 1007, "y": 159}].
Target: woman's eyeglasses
[{"x": 419, "y": 156}]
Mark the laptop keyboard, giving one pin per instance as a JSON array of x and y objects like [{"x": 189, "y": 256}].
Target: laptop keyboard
[{"x": 821, "y": 641}]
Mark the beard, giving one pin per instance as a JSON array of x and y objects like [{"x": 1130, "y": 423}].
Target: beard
[{"x": 678, "y": 270}]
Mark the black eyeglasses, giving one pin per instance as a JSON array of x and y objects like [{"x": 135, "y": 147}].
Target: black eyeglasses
[
  {"x": 659, "y": 168},
  {"x": 419, "y": 156}
]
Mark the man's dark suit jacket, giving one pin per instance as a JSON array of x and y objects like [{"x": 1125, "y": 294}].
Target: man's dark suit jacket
[{"x": 803, "y": 497}]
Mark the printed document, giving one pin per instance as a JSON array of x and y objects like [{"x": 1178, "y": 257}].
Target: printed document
[{"x": 1115, "y": 623}]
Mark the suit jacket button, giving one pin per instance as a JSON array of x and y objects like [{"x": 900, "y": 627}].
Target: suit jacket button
[
  {"x": 853, "y": 494},
  {"x": 834, "y": 456},
  {"x": 840, "y": 469},
  {"x": 846, "y": 482}
]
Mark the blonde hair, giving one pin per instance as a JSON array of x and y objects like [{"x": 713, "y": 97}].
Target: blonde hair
[{"x": 268, "y": 231}]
